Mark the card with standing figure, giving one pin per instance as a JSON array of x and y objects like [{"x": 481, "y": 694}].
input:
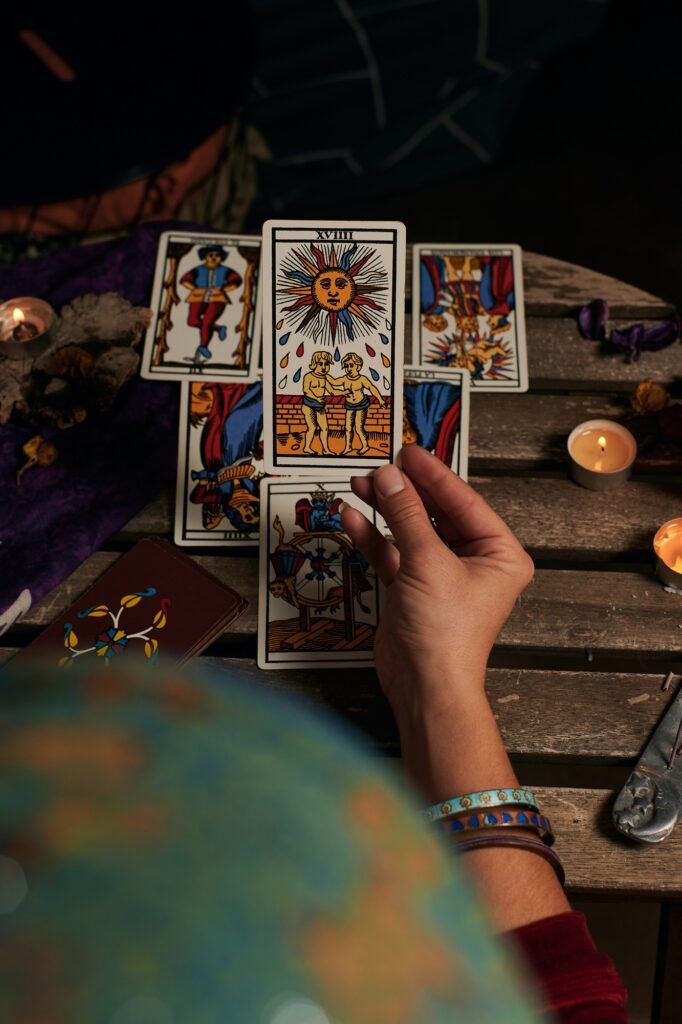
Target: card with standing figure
[
  {"x": 206, "y": 308},
  {"x": 220, "y": 463},
  {"x": 319, "y": 599},
  {"x": 468, "y": 313},
  {"x": 333, "y": 312}
]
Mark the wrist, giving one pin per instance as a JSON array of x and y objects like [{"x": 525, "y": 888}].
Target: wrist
[{"x": 455, "y": 750}]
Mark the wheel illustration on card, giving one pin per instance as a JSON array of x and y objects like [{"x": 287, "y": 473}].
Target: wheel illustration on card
[{"x": 320, "y": 574}]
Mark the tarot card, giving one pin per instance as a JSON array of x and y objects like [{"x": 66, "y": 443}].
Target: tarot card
[
  {"x": 468, "y": 313},
  {"x": 333, "y": 312},
  {"x": 206, "y": 308},
  {"x": 220, "y": 451},
  {"x": 436, "y": 414},
  {"x": 319, "y": 599}
]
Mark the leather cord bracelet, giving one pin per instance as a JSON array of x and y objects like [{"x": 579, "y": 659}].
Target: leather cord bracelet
[
  {"x": 481, "y": 801},
  {"x": 500, "y": 817},
  {"x": 513, "y": 842}
]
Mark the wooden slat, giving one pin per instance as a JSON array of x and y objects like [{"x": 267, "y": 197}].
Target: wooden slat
[
  {"x": 595, "y": 612},
  {"x": 559, "y": 358},
  {"x": 552, "y": 518},
  {"x": 554, "y": 287},
  {"x": 511, "y": 432},
  {"x": 556, "y": 519},
  {"x": 561, "y": 611},
  {"x": 598, "y": 717},
  {"x": 600, "y": 862}
]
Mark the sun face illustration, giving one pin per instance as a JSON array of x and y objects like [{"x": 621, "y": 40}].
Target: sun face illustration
[{"x": 329, "y": 289}]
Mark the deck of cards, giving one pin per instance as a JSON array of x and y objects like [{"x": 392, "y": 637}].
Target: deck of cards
[{"x": 265, "y": 455}]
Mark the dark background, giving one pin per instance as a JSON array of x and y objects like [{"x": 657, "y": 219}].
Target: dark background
[{"x": 590, "y": 170}]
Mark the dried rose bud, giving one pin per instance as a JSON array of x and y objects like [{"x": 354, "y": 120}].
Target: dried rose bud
[
  {"x": 649, "y": 397},
  {"x": 72, "y": 361},
  {"x": 47, "y": 453}
]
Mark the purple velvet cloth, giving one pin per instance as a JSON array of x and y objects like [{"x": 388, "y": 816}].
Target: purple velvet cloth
[{"x": 110, "y": 465}]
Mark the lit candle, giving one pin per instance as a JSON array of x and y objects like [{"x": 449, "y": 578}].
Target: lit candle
[
  {"x": 25, "y": 326},
  {"x": 602, "y": 453},
  {"x": 24, "y": 329},
  {"x": 668, "y": 551}
]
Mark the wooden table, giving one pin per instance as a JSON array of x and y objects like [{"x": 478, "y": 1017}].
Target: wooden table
[{"x": 575, "y": 678}]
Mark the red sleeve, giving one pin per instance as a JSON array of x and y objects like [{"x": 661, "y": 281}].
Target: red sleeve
[
  {"x": 233, "y": 278},
  {"x": 576, "y": 982}
]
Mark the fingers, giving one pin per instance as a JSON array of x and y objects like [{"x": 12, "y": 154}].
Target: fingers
[
  {"x": 405, "y": 515},
  {"x": 461, "y": 513},
  {"x": 379, "y": 552}
]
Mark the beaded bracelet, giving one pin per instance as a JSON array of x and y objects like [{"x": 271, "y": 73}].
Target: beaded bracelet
[
  {"x": 519, "y": 842},
  {"x": 500, "y": 818},
  {"x": 481, "y": 801}
]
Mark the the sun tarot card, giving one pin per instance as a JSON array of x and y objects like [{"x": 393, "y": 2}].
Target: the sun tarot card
[{"x": 333, "y": 311}]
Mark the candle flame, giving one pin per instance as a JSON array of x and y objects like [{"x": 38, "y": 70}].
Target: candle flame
[
  {"x": 18, "y": 315},
  {"x": 601, "y": 441}
]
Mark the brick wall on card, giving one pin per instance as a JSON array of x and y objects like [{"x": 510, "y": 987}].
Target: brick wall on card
[{"x": 290, "y": 418}]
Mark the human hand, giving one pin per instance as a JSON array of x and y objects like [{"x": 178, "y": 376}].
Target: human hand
[{"x": 448, "y": 590}]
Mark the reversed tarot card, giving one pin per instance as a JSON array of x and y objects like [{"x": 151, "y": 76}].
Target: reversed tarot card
[
  {"x": 333, "y": 311},
  {"x": 436, "y": 414},
  {"x": 319, "y": 600},
  {"x": 468, "y": 313},
  {"x": 220, "y": 467},
  {"x": 206, "y": 308}
]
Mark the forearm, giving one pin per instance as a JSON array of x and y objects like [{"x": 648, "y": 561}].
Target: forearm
[{"x": 458, "y": 751}]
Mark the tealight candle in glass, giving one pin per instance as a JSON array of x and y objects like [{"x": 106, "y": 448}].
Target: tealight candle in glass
[
  {"x": 25, "y": 325},
  {"x": 602, "y": 454}
]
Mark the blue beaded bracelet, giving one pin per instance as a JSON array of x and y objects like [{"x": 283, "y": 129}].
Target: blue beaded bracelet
[{"x": 481, "y": 801}]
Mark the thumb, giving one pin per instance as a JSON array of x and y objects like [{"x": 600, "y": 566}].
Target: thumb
[{"x": 404, "y": 512}]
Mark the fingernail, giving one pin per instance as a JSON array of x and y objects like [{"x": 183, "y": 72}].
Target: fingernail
[
  {"x": 388, "y": 480},
  {"x": 343, "y": 506}
]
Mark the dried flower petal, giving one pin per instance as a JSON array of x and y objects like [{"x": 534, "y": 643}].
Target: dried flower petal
[
  {"x": 628, "y": 340},
  {"x": 649, "y": 397},
  {"x": 659, "y": 336},
  {"x": 592, "y": 320}
]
